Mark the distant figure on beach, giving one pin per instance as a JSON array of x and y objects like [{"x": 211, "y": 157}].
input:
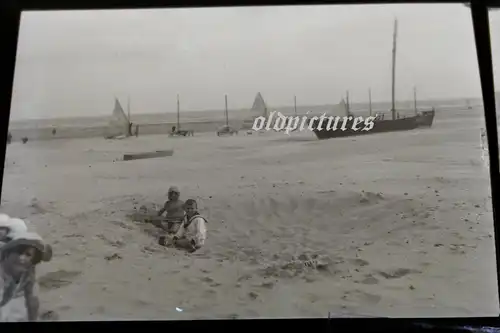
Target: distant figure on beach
[
  {"x": 54, "y": 131},
  {"x": 175, "y": 210},
  {"x": 136, "y": 131},
  {"x": 18, "y": 287},
  {"x": 9, "y": 138},
  {"x": 192, "y": 233},
  {"x": 24, "y": 139}
]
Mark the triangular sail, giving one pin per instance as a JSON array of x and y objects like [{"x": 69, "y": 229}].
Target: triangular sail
[
  {"x": 340, "y": 110},
  {"x": 119, "y": 124},
  {"x": 259, "y": 108}
]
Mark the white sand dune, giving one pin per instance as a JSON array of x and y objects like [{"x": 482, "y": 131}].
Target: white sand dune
[{"x": 395, "y": 224}]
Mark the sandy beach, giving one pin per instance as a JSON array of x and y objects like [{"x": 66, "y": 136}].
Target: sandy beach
[{"x": 394, "y": 224}]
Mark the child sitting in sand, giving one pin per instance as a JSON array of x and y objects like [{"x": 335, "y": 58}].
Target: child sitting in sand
[
  {"x": 192, "y": 233},
  {"x": 18, "y": 287},
  {"x": 175, "y": 210}
]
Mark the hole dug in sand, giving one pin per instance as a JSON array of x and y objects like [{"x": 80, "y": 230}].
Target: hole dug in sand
[{"x": 290, "y": 233}]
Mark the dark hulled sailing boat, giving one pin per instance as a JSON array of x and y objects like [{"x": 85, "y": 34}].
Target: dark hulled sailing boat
[
  {"x": 176, "y": 130},
  {"x": 226, "y": 129},
  {"x": 425, "y": 118},
  {"x": 379, "y": 124}
]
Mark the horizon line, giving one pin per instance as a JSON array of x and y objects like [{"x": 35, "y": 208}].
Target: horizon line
[{"x": 234, "y": 109}]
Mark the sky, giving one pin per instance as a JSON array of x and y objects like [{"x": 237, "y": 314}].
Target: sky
[{"x": 73, "y": 63}]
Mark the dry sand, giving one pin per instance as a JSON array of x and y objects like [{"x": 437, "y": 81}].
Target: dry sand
[{"x": 395, "y": 224}]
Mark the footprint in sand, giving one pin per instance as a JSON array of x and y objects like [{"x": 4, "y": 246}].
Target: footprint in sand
[
  {"x": 253, "y": 295},
  {"x": 122, "y": 225},
  {"x": 117, "y": 243},
  {"x": 267, "y": 285},
  {"x": 113, "y": 256},
  {"x": 73, "y": 236},
  {"x": 310, "y": 279},
  {"x": 151, "y": 249},
  {"x": 210, "y": 292},
  {"x": 359, "y": 262},
  {"x": 361, "y": 296},
  {"x": 36, "y": 208},
  {"x": 398, "y": 273},
  {"x": 313, "y": 298},
  {"x": 210, "y": 281},
  {"x": 49, "y": 316},
  {"x": 369, "y": 298},
  {"x": 370, "y": 280},
  {"x": 57, "y": 279},
  {"x": 244, "y": 277},
  {"x": 141, "y": 302}
]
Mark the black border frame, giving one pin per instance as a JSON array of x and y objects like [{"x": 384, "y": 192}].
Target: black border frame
[{"x": 10, "y": 14}]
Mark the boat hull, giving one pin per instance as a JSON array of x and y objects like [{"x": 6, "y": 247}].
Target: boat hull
[
  {"x": 379, "y": 126},
  {"x": 425, "y": 118}
]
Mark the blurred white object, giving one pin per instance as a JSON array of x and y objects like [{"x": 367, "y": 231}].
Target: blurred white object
[
  {"x": 14, "y": 225},
  {"x": 17, "y": 226}
]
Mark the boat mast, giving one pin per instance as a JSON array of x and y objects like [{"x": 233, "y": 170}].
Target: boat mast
[
  {"x": 128, "y": 108},
  {"x": 415, "y": 99},
  {"x": 348, "y": 107},
  {"x": 393, "y": 108},
  {"x": 227, "y": 115},
  {"x": 295, "y": 104},
  {"x": 178, "y": 114},
  {"x": 128, "y": 116},
  {"x": 370, "y": 101}
]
